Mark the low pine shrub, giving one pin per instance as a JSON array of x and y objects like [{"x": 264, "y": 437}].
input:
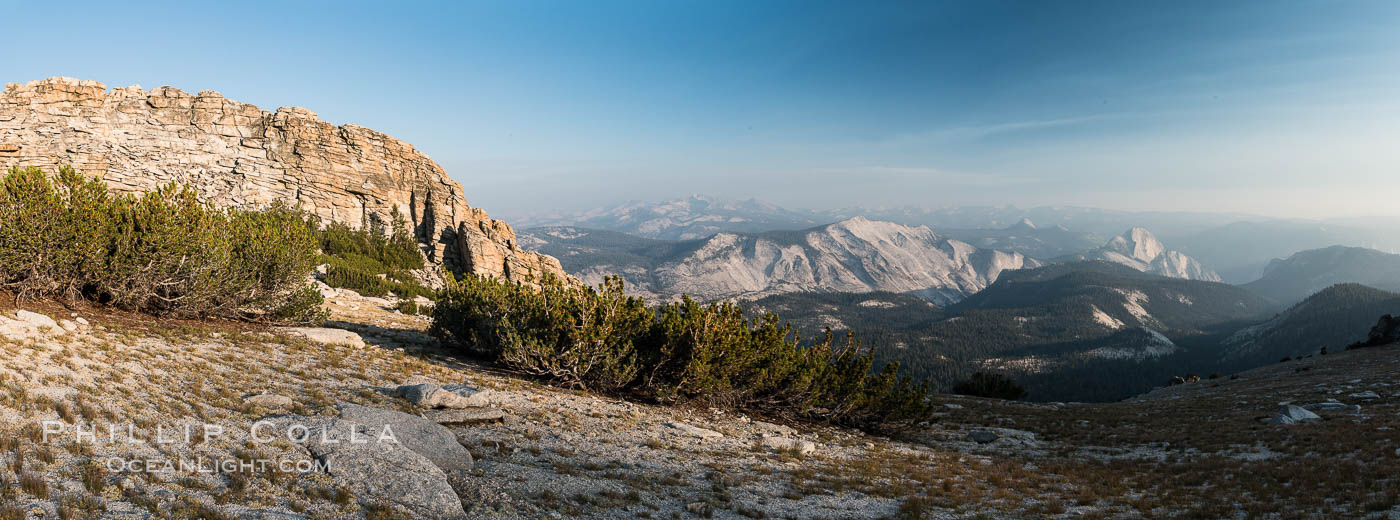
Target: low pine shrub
[
  {"x": 371, "y": 282},
  {"x": 366, "y": 283},
  {"x": 391, "y": 248},
  {"x": 578, "y": 337},
  {"x": 413, "y": 307},
  {"x": 685, "y": 352},
  {"x": 372, "y": 260},
  {"x": 162, "y": 253}
]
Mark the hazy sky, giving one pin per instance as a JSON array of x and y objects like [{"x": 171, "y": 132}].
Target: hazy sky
[{"x": 1272, "y": 107}]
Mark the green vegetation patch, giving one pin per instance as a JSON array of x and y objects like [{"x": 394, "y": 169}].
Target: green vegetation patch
[
  {"x": 601, "y": 340},
  {"x": 162, "y": 253},
  {"x": 373, "y": 260}
]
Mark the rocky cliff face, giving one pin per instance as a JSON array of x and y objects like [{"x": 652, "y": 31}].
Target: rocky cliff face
[{"x": 238, "y": 155}]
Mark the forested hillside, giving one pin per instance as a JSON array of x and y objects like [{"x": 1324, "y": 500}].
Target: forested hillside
[
  {"x": 1115, "y": 293},
  {"x": 868, "y": 313},
  {"x": 1088, "y": 331},
  {"x": 1332, "y": 318}
]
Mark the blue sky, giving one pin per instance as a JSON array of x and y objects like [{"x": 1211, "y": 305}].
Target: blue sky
[{"x": 1286, "y": 108}]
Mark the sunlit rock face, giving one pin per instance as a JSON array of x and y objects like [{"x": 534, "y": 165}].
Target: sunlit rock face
[
  {"x": 854, "y": 255},
  {"x": 1139, "y": 249},
  {"x": 238, "y": 155}
]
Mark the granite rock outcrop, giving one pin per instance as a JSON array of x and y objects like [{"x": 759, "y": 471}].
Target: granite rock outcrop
[{"x": 238, "y": 155}]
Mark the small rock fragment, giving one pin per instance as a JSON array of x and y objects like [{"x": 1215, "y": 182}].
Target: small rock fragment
[
  {"x": 982, "y": 436},
  {"x": 1327, "y": 406},
  {"x": 695, "y": 431},
  {"x": 466, "y": 416},
  {"x": 35, "y": 319},
  {"x": 326, "y": 335},
  {"x": 1293, "y": 414},
  {"x": 767, "y": 429},
  {"x": 428, "y": 395},
  {"x": 784, "y": 443},
  {"x": 269, "y": 401}
]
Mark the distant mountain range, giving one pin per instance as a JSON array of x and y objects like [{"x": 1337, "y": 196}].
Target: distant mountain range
[
  {"x": 855, "y": 255},
  {"x": 1027, "y": 238},
  {"x": 1139, "y": 249},
  {"x": 689, "y": 218},
  {"x": 1093, "y": 221},
  {"x": 1240, "y": 251},
  {"x": 1235, "y": 246},
  {"x": 1070, "y": 315},
  {"x": 1304, "y": 273},
  {"x": 698, "y": 216}
]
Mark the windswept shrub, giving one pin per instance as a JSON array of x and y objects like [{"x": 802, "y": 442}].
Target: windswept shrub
[
  {"x": 996, "y": 386},
  {"x": 366, "y": 283},
  {"x": 683, "y": 352},
  {"x": 371, "y": 282},
  {"x": 53, "y": 234},
  {"x": 163, "y": 252},
  {"x": 578, "y": 337},
  {"x": 169, "y": 253},
  {"x": 373, "y": 260},
  {"x": 413, "y": 307},
  {"x": 393, "y": 248}
]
